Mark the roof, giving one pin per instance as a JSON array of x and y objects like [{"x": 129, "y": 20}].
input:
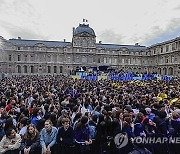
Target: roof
[
  {"x": 165, "y": 42},
  {"x": 116, "y": 46},
  {"x": 22, "y": 42},
  {"x": 84, "y": 28}
]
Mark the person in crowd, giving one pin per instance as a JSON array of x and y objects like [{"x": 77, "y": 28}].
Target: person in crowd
[
  {"x": 138, "y": 126},
  {"x": 82, "y": 135},
  {"x": 65, "y": 137},
  {"x": 149, "y": 114},
  {"x": 11, "y": 142},
  {"x": 36, "y": 116},
  {"x": 23, "y": 125},
  {"x": 48, "y": 138},
  {"x": 31, "y": 141},
  {"x": 76, "y": 119}
]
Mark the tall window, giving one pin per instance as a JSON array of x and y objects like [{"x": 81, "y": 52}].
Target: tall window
[
  {"x": 25, "y": 69},
  {"x": 55, "y": 69},
  {"x": 174, "y": 46},
  {"x": 32, "y": 69},
  {"x": 167, "y": 48},
  {"x": 25, "y": 57},
  {"x": 68, "y": 59},
  {"x": 19, "y": 69},
  {"x": 19, "y": 57},
  {"x": 122, "y": 60},
  {"x": 99, "y": 60},
  {"x": 61, "y": 69},
  {"x": 172, "y": 59},
  {"x": 49, "y": 69},
  {"x": 129, "y": 61},
  {"x": 167, "y": 60},
  {"x": 154, "y": 51},
  {"x": 105, "y": 60},
  {"x": 10, "y": 58},
  {"x": 161, "y": 49}
]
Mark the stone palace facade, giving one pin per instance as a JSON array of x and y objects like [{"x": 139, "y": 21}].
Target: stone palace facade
[{"x": 21, "y": 56}]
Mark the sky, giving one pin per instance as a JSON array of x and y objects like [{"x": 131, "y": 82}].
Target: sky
[{"x": 146, "y": 22}]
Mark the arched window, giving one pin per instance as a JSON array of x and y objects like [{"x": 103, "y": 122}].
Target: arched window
[
  {"x": 61, "y": 69},
  {"x": 165, "y": 71},
  {"x": 55, "y": 69},
  {"x": 18, "y": 68},
  {"x": 159, "y": 70},
  {"x": 170, "y": 71},
  {"x": 49, "y": 69},
  {"x": 32, "y": 69},
  {"x": 25, "y": 69}
]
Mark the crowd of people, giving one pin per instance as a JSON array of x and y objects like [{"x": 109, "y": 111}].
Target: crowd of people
[{"x": 61, "y": 115}]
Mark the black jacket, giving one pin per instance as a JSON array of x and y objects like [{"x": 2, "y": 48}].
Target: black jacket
[
  {"x": 34, "y": 144},
  {"x": 67, "y": 136}
]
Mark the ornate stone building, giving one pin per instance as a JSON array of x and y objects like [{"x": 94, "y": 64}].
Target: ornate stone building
[{"x": 20, "y": 56}]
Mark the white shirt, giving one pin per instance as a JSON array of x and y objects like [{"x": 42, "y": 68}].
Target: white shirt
[{"x": 23, "y": 130}]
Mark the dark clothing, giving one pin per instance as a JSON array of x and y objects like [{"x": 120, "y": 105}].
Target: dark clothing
[
  {"x": 176, "y": 126},
  {"x": 129, "y": 131},
  {"x": 67, "y": 136},
  {"x": 161, "y": 126},
  {"x": 12, "y": 152},
  {"x": 150, "y": 130},
  {"x": 82, "y": 135},
  {"x": 140, "y": 151},
  {"x": 138, "y": 129},
  {"x": 34, "y": 144},
  {"x": 67, "y": 144}
]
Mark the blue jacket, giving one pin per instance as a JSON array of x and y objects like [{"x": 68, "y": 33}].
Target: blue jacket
[{"x": 48, "y": 138}]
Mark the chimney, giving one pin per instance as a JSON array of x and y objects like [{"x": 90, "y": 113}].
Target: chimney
[
  {"x": 64, "y": 40},
  {"x": 100, "y": 42},
  {"x": 136, "y": 44},
  {"x": 19, "y": 38},
  {"x": 73, "y": 30}
]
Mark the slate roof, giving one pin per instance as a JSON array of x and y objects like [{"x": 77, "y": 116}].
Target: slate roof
[
  {"x": 116, "y": 46},
  {"x": 22, "y": 42}
]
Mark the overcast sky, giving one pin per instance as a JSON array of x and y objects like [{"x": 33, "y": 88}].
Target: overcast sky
[{"x": 114, "y": 21}]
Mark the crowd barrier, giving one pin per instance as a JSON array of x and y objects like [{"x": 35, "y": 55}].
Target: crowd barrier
[{"x": 125, "y": 77}]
